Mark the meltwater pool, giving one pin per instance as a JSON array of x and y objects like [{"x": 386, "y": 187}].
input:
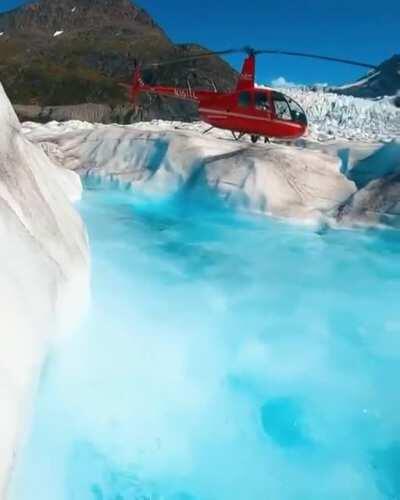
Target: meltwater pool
[{"x": 224, "y": 358}]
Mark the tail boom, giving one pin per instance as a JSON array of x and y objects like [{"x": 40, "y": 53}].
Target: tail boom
[{"x": 187, "y": 94}]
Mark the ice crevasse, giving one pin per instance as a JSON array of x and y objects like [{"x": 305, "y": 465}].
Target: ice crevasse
[{"x": 44, "y": 273}]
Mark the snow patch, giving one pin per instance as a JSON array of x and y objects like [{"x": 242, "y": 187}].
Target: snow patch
[{"x": 359, "y": 83}]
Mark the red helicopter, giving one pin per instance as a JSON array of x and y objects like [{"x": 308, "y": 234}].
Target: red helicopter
[{"x": 259, "y": 112}]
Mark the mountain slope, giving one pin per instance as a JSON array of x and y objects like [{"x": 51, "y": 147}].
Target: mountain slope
[
  {"x": 384, "y": 81},
  {"x": 63, "y": 52}
]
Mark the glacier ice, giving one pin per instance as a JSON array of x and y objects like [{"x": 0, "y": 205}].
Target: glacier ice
[
  {"x": 159, "y": 161},
  {"x": 44, "y": 272}
]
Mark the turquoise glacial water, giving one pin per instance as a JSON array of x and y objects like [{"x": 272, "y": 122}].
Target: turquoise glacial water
[{"x": 224, "y": 358}]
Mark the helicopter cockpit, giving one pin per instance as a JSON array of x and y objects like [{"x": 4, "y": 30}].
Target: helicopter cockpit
[
  {"x": 284, "y": 106},
  {"x": 287, "y": 108}
]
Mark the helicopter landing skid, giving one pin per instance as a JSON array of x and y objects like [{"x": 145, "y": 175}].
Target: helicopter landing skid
[{"x": 237, "y": 137}]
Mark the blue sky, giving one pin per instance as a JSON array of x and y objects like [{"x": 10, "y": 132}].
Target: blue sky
[{"x": 361, "y": 29}]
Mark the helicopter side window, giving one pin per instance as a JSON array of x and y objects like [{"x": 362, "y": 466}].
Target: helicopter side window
[
  {"x": 282, "y": 108},
  {"x": 262, "y": 101},
  {"x": 244, "y": 100}
]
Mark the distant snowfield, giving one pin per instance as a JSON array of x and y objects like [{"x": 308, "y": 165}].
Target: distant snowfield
[{"x": 358, "y": 83}]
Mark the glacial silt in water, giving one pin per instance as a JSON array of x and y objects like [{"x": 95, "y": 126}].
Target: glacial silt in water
[{"x": 224, "y": 358}]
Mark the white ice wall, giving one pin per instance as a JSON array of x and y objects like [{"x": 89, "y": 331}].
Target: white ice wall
[
  {"x": 157, "y": 161},
  {"x": 43, "y": 272}
]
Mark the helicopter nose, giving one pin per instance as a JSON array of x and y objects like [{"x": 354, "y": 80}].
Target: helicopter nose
[
  {"x": 301, "y": 130},
  {"x": 302, "y": 120}
]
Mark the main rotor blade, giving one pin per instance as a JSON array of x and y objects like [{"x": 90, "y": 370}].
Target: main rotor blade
[
  {"x": 191, "y": 58},
  {"x": 249, "y": 51},
  {"x": 316, "y": 56}
]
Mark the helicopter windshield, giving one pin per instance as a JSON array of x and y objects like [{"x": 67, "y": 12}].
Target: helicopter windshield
[
  {"x": 298, "y": 113},
  {"x": 288, "y": 109}
]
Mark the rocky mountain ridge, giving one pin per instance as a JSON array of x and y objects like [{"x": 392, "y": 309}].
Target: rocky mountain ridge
[
  {"x": 44, "y": 17},
  {"x": 70, "y": 52},
  {"x": 384, "y": 81}
]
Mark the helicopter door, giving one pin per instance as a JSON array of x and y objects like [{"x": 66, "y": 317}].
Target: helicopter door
[
  {"x": 262, "y": 102},
  {"x": 287, "y": 109}
]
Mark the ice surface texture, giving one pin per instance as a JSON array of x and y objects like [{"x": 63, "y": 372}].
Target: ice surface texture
[
  {"x": 309, "y": 181},
  {"x": 276, "y": 179},
  {"x": 44, "y": 267}
]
